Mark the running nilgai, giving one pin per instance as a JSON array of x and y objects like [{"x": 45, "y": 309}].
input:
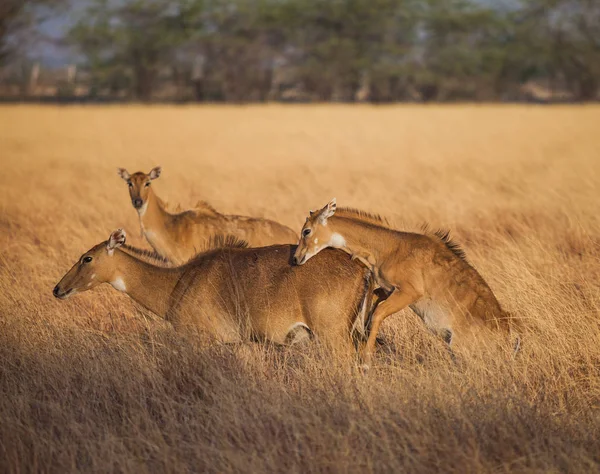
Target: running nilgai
[
  {"x": 179, "y": 237},
  {"x": 234, "y": 293},
  {"x": 427, "y": 272}
]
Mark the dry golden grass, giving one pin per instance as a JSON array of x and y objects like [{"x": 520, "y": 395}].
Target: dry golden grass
[{"x": 94, "y": 384}]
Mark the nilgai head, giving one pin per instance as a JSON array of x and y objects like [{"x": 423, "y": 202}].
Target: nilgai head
[
  {"x": 317, "y": 235},
  {"x": 139, "y": 186},
  {"x": 94, "y": 267}
]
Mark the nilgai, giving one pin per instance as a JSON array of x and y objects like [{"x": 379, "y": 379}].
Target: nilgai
[
  {"x": 179, "y": 237},
  {"x": 234, "y": 293},
  {"x": 428, "y": 272}
]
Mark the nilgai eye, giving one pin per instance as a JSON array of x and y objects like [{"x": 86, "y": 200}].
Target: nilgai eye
[
  {"x": 87, "y": 259},
  {"x": 306, "y": 232},
  {"x": 130, "y": 184},
  {"x": 148, "y": 184}
]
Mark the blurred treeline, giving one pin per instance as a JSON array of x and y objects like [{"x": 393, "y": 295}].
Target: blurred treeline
[{"x": 344, "y": 50}]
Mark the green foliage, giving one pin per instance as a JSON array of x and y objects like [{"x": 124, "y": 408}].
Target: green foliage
[
  {"x": 332, "y": 49},
  {"x": 125, "y": 45},
  {"x": 16, "y": 19}
]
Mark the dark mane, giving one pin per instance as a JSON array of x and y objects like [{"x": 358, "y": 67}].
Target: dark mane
[
  {"x": 362, "y": 215},
  {"x": 217, "y": 242},
  {"x": 151, "y": 256},
  {"x": 205, "y": 206},
  {"x": 444, "y": 236},
  {"x": 201, "y": 208},
  {"x": 225, "y": 241}
]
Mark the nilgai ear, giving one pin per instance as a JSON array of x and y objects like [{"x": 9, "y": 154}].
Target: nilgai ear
[
  {"x": 122, "y": 172},
  {"x": 116, "y": 239},
  {"x": 155, "y": 173},
  {"x": 310, "y": 213},
  {"x": 328, "y": 210}
]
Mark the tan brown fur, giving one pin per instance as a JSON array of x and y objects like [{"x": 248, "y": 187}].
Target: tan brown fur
[
  {"x": 235, "y": 293},
  {"x": 427, "y": 272},
  {"x": 182, "y": 235}
]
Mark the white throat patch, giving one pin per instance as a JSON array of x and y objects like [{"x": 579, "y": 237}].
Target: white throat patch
[
  {"x": 142, "y": 210},
  {"x": 118, "y": 284},
  {"x": 337, "y": 241}
]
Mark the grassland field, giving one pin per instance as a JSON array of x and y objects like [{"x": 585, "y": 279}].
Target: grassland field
[{"x": 97, "y": 384}]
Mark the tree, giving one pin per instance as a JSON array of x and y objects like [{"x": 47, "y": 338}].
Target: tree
[
  {"x": 462, "y": 51},
  {"x": 560, "y": 40},
  {"x": 241, "y": 41},
  {"x": 341, "y": 43},
  {"x": 16, "y": 17},
  {"x": 125, "y": 45},
  {"x": 246, "y": 50}
]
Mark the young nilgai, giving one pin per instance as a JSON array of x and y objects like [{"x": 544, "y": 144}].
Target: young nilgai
[
  {"x": 234, "y": 293},
  {"x": 427, "y": 272},
  {"x": 179, "y": 237}
]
